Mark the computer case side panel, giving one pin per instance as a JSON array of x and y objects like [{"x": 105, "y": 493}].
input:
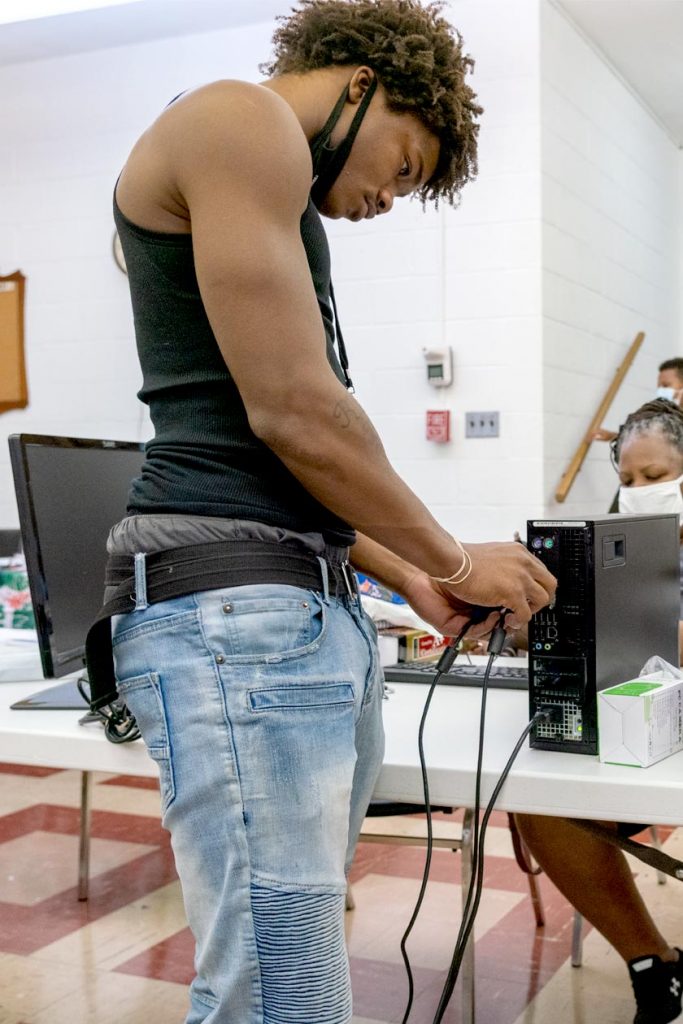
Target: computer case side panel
[
  {"x": 637, "y": 594},
  {"x": 617, "y": 604}
]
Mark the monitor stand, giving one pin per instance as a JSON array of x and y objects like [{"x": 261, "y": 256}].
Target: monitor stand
[{"x": 65, "y": 696}]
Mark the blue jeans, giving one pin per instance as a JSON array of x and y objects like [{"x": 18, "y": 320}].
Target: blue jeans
[{"x": 262, "y": 706}]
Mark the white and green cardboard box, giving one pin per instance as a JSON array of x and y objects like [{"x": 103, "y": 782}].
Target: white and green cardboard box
[{"x": 640, "y": 721}]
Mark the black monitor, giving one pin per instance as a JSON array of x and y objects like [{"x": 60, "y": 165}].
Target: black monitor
[{"x": 70, "y": 492}]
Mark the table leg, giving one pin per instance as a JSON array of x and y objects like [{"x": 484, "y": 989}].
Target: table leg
[
  {"x": 577, "y": 940},
  {"x": 84, "y": 838},
  {"x": 467, "y": 968}
]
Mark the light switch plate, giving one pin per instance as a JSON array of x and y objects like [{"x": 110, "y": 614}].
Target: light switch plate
[{"x": 482, "y": 424}]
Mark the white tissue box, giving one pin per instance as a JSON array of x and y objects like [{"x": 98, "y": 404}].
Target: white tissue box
[{"x": 640, "y": 721}]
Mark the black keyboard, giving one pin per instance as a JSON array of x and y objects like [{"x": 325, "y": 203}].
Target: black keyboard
[{"x": 502, "y": 677}]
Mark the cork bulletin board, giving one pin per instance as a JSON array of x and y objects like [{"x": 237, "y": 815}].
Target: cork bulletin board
[{"x": 13, "y": 391}]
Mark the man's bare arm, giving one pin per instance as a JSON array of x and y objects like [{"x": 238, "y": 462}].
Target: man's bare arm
[{"x": 245, "y": 203}]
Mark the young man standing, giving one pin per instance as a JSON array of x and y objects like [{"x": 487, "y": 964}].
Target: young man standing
[{"x": 256, "y": 684}]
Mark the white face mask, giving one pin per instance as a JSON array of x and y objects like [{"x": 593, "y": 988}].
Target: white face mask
[
  {"x": 652, "y": 498},
  {"x": 667, "y": 393}
]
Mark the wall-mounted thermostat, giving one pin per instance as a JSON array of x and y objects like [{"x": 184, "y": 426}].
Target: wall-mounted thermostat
[{"x": 439, "y": 366}]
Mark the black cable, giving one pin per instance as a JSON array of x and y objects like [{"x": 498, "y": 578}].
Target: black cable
[
  {"x": 479, "y": 833},
  {"x": 477, "y": 880},
  {"x": 495, "y": 646},
  {"x": 443, "y": 665},
  {"x": 119, "y": 725}
]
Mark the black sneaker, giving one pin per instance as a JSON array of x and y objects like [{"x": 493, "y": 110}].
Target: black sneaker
[{"x": 658, "y": 988}]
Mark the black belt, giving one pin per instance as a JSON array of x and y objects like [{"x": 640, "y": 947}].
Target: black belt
[{"x": 188, "y": 570}]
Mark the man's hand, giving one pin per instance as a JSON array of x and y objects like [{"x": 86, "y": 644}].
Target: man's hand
[
  {"x": 442, "y": 609},
  {"x": 505, "y": 575}
]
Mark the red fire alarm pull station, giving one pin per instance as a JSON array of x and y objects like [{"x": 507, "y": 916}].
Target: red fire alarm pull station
[{"x": 438, "y": 425}]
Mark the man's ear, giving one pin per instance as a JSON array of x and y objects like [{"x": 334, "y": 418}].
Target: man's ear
[{"x": 359, "y": 84}]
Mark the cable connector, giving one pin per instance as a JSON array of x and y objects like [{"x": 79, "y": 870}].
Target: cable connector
[
  {"x": 448, "y": 656},
  {"x": 497, "y": 641},
  {"x": 551, "y": 712},
  {"x": 498, "y": 634}
]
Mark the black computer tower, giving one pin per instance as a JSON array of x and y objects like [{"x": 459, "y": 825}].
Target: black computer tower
[{"x": 617, "y": 604}]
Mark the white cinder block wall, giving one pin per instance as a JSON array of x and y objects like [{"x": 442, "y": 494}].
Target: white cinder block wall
[
  {"x": 470, "y": 278},
  {"x": 66, "y": 133},
  {"x": 611, "y": 253}
]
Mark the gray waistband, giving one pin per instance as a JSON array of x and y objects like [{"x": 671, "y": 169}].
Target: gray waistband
[{"x": 151, "y": 533}]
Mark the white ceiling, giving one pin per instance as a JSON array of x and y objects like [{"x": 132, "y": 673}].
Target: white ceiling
[
  {"x": 643, "y": 40},
  {"x": 127, "y": 23}
]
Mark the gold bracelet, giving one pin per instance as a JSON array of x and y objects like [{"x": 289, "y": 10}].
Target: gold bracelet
[
  {"x": 457, "y": 578},
  {"x": 463, "y": 572},
  {"x": 463, "y": 566}
]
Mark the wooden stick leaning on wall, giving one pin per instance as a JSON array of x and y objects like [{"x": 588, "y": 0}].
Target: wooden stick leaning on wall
[{"x": 581, "y": 452}]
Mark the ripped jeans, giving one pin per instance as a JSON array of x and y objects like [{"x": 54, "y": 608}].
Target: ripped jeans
[{"x": 262, "y": 706}]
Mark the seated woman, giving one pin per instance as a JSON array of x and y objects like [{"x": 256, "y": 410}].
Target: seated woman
[
  {"x": 648, "y": 455},
  {"x": 594, "y": 876}
]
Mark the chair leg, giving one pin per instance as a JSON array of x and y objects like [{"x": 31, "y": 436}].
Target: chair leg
[
  {"x": 84, "y": 839},
  {"x": 656, "y": 842},
  {"x": 536, "y": 901},
  {"x": 350, "y": 902},
  {"x": 527, "y": 865},
  {"x": 577, "y": 940}
]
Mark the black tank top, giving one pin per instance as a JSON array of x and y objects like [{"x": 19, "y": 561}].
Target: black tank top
[{"x": 204, "y": 459}]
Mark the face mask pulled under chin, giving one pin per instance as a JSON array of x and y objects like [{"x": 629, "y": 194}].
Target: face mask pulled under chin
[{"x": 653, "y": 498}]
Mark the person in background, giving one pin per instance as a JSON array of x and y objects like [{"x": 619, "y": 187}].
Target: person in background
[
  {"x": 648, "y": 455},
  {"x": 670, "y": 380},
  {"x": 257, "y": 687},
  {"x": 669, "y": 386},
  {"x": 594, "y": 876}
]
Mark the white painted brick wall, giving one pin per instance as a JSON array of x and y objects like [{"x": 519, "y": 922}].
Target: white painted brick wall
[
  {"x": 66, "y": 134},
  {"x": 611, "y": 253},
  {"x": 476, "y": 287},
  {"x": 565, "y": 246},
  {"x": 468, "y": 277}
]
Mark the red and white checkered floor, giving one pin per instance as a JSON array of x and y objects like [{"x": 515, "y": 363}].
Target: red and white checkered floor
[{"x": 126, "y": 954}]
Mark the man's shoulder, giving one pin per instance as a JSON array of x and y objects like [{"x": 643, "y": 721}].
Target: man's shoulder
[
  {"x": 236, "y": 128},
  {"x": 230, "y": 110},
  {"x": 224, "y": 93}
]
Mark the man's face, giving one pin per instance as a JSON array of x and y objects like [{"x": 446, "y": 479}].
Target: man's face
[
  {"x": 392, "y": 155},
  {"x": 670, "y": 379}
]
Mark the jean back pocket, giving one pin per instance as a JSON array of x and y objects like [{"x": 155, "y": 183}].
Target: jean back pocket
[{"x": 144, "y": 698}]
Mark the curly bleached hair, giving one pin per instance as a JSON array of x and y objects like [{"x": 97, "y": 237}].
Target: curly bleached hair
[
  {"x": 418, "y": 59},
  {"x": 657, "y": 417}
]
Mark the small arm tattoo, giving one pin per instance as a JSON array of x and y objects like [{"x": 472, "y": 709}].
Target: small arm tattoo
[{"x": 346, "y": 414}]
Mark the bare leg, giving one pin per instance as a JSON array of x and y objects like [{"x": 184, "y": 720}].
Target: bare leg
[{"x": 597, "y": 881}]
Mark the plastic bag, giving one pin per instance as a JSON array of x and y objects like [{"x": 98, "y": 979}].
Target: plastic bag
[
  {"x": 386, "y": 608},
  {"x": 658, "y": 670}
]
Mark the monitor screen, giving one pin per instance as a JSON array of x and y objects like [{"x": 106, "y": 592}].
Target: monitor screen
[{"x": 70, "y": 492}]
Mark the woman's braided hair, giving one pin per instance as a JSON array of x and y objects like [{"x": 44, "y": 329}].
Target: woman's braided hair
[
  {"x": 417, "y": 56},
  {"x": 660, "y": 416}
]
